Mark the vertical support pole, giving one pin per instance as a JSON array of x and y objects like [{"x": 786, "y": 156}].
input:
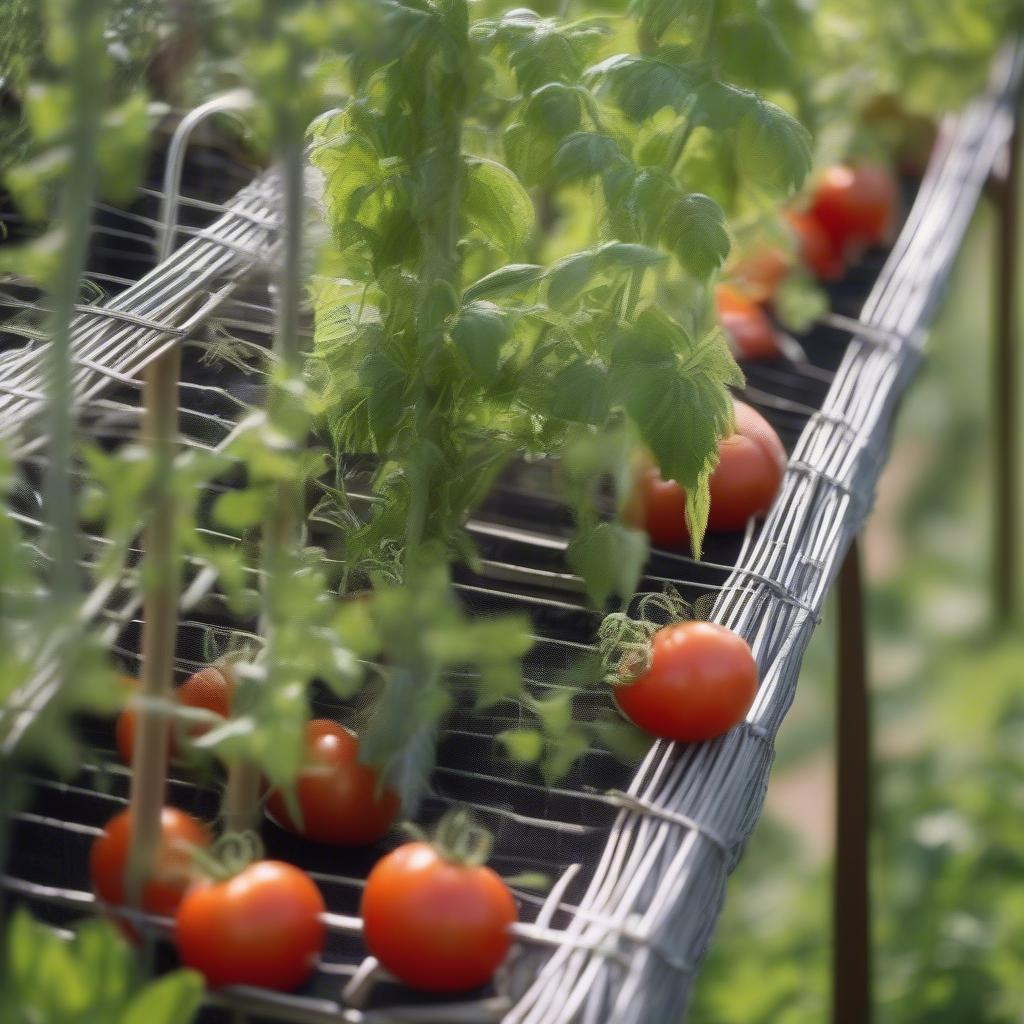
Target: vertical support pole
[
  {"x": 851, "y": 908},
  {"x": 1006, "y": 523}
]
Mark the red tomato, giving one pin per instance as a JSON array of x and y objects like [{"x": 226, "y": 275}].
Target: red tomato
[
  {"x": 438, "y": 926},
  {"x": 817, "y": 253},
  {"x": 211, "y": 689},
  {"x": 659, "y": 507},
  {"x": 263, "y": 927},
  {"x": 750, "y": 466},
  {"x": 172, "y": 872},
  {"x": 759, "y": 274},
  {"x": 750, "y": 331},
  {"x": 751, "y": 462},
  {"x": 337, "y": 795},
  {"x": 701, "y": 682},
  {"x": 855, "y": 205}
]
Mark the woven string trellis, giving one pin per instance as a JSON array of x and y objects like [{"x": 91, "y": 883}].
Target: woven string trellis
[{"x": 620, "y": 936}]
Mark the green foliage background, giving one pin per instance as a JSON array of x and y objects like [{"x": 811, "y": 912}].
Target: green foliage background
[{"x": 948, "y": 854}]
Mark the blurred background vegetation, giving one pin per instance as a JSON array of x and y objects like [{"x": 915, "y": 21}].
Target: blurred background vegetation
[{"x": 948, "y": 706}]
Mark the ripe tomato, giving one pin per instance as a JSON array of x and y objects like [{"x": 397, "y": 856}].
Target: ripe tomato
[
  {"x": 438, "y": 926},
  {"x": 337, "y": 795},
  {"x": 750, "y": 331},
  {"x": 659, "y": 507},
  {"x": 750, "y": 466},
  {"x": 751, "y": 462},
  {"x": 759, "y": 274},
  {"x": 262, "y": 927},
  {"x": 701, "y": 681},
  {"x": 211, "y": 689},
  {"x": 172, "y": 872},
  {"x": 817, "y": 253},
  {"x": 855, "y": 205}
]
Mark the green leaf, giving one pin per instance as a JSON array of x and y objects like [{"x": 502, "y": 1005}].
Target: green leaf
[
  {"x": 529, "y": 152},
  {"x": 773, "y": 148},
  {"x": 694, "y": 229},
  {"x": 644, "y": 85},
  {"x": 478, "y": 333},
  {"x": 555, "y": 109},
  {"x": 172, "y": 999},
  {"x": 580, "y": 392},
  {"x": 511, "y": 278},
  {"x": 562, "y": 754},
  {"x": 569, "y": 276},
  {"x": 657, "y": 15},
  {"x": 385, "y": 381},
  {"x": 240, "y": 510},
  {"x": 496, "y": 204},
  {"x": 628, "y": 743},
  {"x": 674, "y": 389},
  {"x": 555, "y": 713},
  {"x": 610, "y": 557},
  {"x": 523, "y": 746},
  {"x": 583, "y": 155}
]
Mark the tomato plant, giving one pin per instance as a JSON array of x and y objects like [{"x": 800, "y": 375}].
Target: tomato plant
[
  {"x": 261, "y": 927},
  {"x": 437, "y": 917},
  {"x": 855, "y": 205},
  {"x": 340, "y": 800},
  {"x": 172, "y": 871},
  {"x": 750, "y": 332},
  {"x": 701, "y": 681}
]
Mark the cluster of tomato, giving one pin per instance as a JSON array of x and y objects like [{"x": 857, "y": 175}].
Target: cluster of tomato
[
  {"x": 702, "y": 679},
  {"x": 437, "y": 921},
  {"x": 850, "y": 210}
]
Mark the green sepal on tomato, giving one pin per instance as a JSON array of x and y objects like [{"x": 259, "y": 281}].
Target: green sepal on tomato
[
  {"x": 751, "y": 464},
  {"x": 434, "y": 915},
  {"x": 700, "y": 682},
  {"x": 340, "y": 800}
]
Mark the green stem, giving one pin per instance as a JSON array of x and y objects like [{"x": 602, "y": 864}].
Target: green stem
[
  {"x": 282, "y": 530},
  {"x": 86, "y": 86}
]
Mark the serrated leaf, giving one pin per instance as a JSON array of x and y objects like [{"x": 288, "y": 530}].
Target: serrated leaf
[
  {"x": 510, "y": 278},
  {"x": 523, "y": 746},
  {"x": 773, "y": 148},
  {"x": 478, "y": 333},
  {"x": 610, "y": 557},
  {"x": 496, "y": 204},
  {"x": 644, "y": 85},
  {"x": 580, "y": 392},
  {"x": 674, "y": 389},
  {"x": 694, "y": 229},
  {"x": 583, "y": 155},
  {"x": 385, "y": 382},
  {"x": 698, "y": 506}
]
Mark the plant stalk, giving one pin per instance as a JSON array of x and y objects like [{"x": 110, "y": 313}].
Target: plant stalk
[
  {"x": 86, "y": 84},
  {"x": 282, "y": 530}
]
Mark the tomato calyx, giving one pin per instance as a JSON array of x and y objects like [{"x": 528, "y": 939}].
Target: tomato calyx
[
  {"x": 625, "y": 642},
  {"x": 229, "y": 855},
  {"x": 457, "y": 838}
]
